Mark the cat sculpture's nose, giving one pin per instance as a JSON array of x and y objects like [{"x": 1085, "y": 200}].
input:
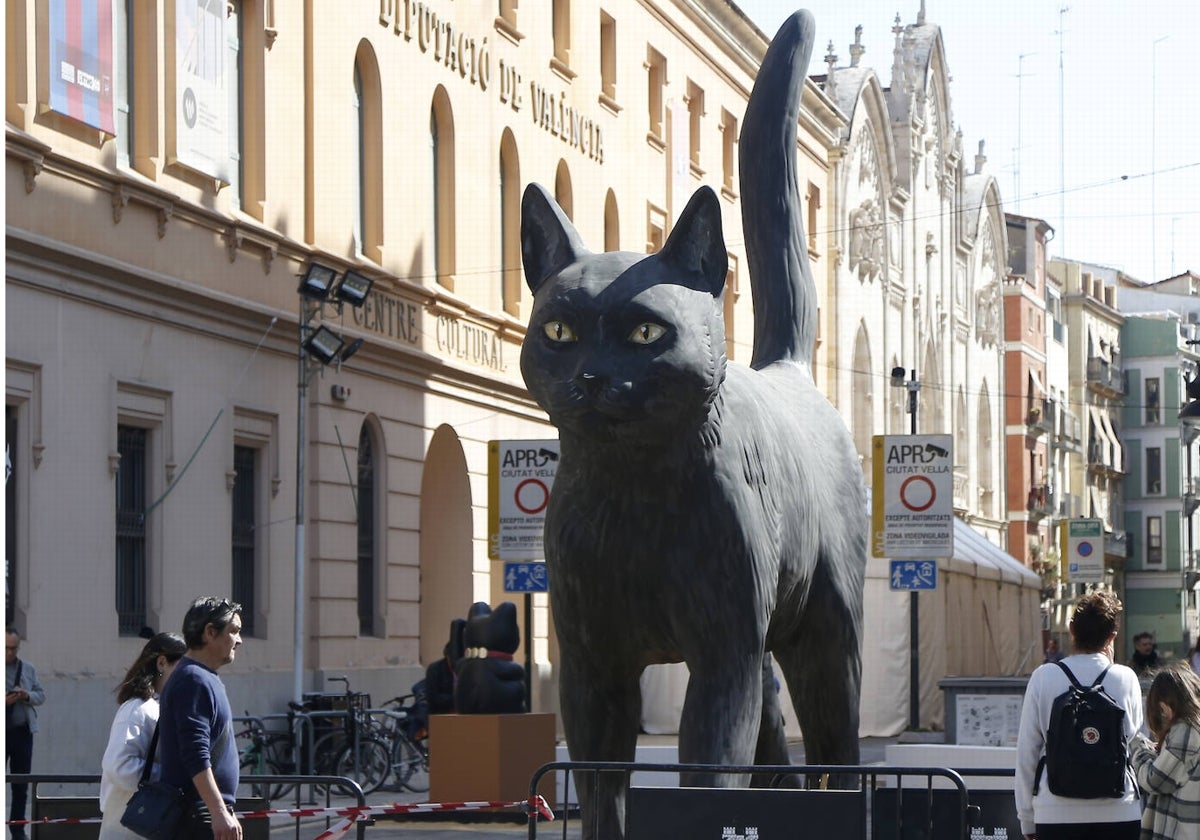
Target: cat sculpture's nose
[{"x": 590, "y": 383}]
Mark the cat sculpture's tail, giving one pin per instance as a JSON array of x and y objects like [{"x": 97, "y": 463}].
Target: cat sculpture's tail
[{"x": 785, "y": 297}]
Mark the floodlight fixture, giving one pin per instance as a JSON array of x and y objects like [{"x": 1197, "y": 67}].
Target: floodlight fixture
[
  {"x": 324, "y": 344},
  {"x": 898, "y": 376},
  {"x": 318, "y": 281},
  {"x": 354, "y": 288},
  {"x": 351, "y": 348}
]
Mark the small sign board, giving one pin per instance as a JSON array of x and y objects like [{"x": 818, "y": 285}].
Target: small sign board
[
  {"x": 912, "y": 496},
  {"x": 520, "y": 476},
  {"x": 1083, "y": 555},
  {"x": 913, "y": 575},
  {"x": 525, "y": 577}
]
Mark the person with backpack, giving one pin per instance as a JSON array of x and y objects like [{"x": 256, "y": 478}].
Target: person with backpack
[
  {"x": 1073, "y": 780},
  {"x": 1169, "y": 771}
]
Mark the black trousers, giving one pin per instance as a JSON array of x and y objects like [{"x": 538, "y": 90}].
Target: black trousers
[
  {"x": 18, "y": 752},
  {"x": 1089, "y": 831}
]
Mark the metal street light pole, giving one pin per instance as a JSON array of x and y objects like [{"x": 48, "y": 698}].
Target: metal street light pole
[
  {"x": 914, "y": 602},
  {"x": 308, "y": 310}
]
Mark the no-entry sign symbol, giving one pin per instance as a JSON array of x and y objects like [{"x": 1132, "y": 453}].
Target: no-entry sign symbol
[{"x": 531, "y": 496}]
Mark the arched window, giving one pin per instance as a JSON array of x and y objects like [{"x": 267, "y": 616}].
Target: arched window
[
  {"x": 564, "y": 193},
  {"x": 368, "y": 555},
  {"x": 368, "y": 175},
  {"x": 441, "y": 141},
  {"x": 983, "y": 454},
  {"x": 510, "y": 224},
  {"x": 612, "y": 223},
  {"x": 862, "y": 398}
]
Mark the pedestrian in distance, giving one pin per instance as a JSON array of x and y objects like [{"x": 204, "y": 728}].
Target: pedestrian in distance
[
  {"x": 132, "y": 729},
  {"x": 1114, "y": 813},
  {"x": 1053, "y": 654},
  {"x": 196, "y": 741},
  {"x": 1145, "y": 659},
  {"x": 1168, "y": 769},
  {"x": 23, "y": 694}
]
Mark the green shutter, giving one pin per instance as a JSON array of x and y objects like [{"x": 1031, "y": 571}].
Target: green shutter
[
  {"x": 1171, "y": 465},
  {"x": 1133, "y": 524},
  {"x": 1132, "y": 414},
  {"x": 1171, "y": 394},
  {"x": 1134, "y": 482},
  {"x": 1172, "y": 540}
]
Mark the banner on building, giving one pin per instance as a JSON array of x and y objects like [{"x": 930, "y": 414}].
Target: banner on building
[
  {"x": 81, "y": 61},
  {"x": 520, "y": 476},
  {"x": 912, "y": 496},
  {"x": 201, "y": 80}
]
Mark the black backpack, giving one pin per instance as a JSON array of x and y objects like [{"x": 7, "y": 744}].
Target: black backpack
[{"x": 1085, "y": 744}]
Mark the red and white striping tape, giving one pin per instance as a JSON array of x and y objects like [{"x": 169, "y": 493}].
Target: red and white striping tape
[{"x": 350, "y": 815}]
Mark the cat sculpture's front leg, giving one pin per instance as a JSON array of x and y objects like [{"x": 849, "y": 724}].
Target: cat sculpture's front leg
[
  {"x": 601, "y": 712},
  {"x": 721, "y": 715}
]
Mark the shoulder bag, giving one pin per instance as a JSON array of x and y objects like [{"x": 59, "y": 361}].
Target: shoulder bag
[{"x": 156, "y": 809}]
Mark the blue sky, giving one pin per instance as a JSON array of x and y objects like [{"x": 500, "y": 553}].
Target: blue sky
[{"x": 1129, "y": 118}]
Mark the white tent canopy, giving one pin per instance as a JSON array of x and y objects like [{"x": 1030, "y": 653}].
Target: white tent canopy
[{"x": 982, "y": 620}]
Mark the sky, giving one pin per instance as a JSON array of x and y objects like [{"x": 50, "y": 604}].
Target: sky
[{"x": 1122, "y": 189}]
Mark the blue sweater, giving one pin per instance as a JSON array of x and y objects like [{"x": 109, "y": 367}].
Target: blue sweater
[{"x": 196, "y": 730}]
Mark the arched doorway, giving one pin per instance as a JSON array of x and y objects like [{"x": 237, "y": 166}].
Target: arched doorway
[{"x": 445, "y": 541}]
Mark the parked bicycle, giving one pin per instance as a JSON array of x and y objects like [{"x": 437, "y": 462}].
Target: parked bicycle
[{"x": 405, "y": 728}]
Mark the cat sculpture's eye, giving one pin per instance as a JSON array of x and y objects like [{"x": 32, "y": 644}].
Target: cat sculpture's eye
[
  {"x": 558, "y": 331},
  {"x": 647, "y": 333}
]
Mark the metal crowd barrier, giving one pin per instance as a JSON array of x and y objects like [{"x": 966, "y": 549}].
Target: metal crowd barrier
[
  {"x": 72, "y": 804},
  {"x": 884, "y": 806}
]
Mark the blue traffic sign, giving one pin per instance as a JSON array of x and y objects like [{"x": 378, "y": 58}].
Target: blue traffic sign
[
  {"x": 525, "y": 577},
  {"x": 913, "y": 575}
]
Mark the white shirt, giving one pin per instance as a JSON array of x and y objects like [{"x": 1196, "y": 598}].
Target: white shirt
[
  {"x": 124, "y": 758},
  {"x": 1045, "y": 684}
]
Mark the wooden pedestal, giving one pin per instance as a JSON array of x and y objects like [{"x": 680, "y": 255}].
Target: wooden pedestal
[{"x": 489, "y": 758}]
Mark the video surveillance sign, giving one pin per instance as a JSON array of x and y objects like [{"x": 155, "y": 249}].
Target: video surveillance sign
[
  {"x": 520, "y": 476},
  {"x": 912, "y": 497}
]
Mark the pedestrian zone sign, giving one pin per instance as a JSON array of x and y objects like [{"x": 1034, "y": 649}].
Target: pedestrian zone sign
[
  {"x": 525, "y": 577},
  {"x": 520, "y": 475},
  {"x": 913, "y": 575},
  {"x": 912, "y": 496},
  {"x": 1084, "y": 552}
]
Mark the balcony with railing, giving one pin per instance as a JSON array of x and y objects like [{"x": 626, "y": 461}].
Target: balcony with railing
[
  {"x": 1108, "y": 377},
  {"x": 1191, "y": 496},
  {"x": 1040, "y": 416},
  {"x": 1068, "y": 431},
  {"x": 1106, "y": 458},
  {"x": 961, "y": 488},
  {"x": 1118, "y": 544},
  {"x": 1041, "y": 500}
]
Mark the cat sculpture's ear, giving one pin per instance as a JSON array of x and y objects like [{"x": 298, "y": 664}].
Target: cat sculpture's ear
[
  {"x": 549, "y": 242},
  {"x": 696, "y": 246}
]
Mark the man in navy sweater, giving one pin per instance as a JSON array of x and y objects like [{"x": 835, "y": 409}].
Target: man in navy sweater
[{"x": 196, "y": 743}]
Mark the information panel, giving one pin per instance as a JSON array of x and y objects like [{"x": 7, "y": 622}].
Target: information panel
[
  {"x": 912, "y": 497},
  {"x": 1084, "y": 552},
  {"x": 520, "y": 476}
]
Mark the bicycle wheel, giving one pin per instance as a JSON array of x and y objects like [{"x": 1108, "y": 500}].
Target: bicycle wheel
[
  {"x": 369, "y": 768},
  {"x": 410, "y": 764},
  {"x": 254, "y": 765}
]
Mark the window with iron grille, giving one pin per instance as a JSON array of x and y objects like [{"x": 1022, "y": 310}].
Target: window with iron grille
[
  {"x": 11, "y": 466},
  {"x": 366, "y": 534},
  {"x": 245, "y": 462},
  {"x": 131, "y": 530}
]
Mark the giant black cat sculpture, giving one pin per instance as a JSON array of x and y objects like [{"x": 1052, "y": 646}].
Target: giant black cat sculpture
[{"x": 703, "y": 511}]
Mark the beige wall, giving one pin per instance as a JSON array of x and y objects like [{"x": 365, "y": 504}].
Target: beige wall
[{"x": 142, "y": 293}]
